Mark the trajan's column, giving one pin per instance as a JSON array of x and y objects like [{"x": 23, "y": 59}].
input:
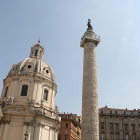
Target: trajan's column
[{"x": 90, "y": 123}]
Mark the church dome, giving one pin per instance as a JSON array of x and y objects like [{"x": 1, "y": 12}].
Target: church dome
[{"x": 34, "y": 65}]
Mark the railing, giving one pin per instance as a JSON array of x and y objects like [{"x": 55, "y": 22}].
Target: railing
[
  {"x": 96, "y": 36},
  {"x": 125, "y": 115}
]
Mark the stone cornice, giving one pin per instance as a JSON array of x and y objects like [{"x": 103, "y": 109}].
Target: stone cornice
[
  {"x": 94, "y": 40},
  {"x": 37, "y": 78}
]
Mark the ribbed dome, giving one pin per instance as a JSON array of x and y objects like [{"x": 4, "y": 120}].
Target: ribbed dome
[{"x": 34, "y": 65}]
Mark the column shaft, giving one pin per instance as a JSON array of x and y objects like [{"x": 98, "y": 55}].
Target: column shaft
[{"x": 90, "y": 128}]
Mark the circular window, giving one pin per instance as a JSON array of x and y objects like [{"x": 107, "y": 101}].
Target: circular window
[
  {"x": 47, "y": 71},
  {"x": 29, "y": 66},
  {"x": 13, "y": 68}
]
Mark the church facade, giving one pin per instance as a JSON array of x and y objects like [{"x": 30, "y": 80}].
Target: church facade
[{"x": 27, "y": 109}]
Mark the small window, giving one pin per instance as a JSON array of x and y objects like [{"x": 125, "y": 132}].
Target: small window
[
  {"x": 29, "y": 66},
  {"x": 125, "y": 126},
  {"x": 115, "y": 112},
  {"x": 134, "y": 136},
  {"x": 40, "y": 53},
  {"x": 36, "y": 51},
  {"x": 102, "y": 135},
  {"x": 102, "y": 116},
  {"x": 132, "y": 118},
  {"x": 101, "y": 111},
  {"x": 111, "y": 126},
  {"x": 6, "y": 90},
  {"x": 126, "y": 136},
  {"x": 66, "y": 124},
  {"x": 102, "y": 125},
  {"x": 117, "y": 126},
  {"x": 47, "y": 71},
  {"x": 117, "y": 136},
  {"x": 66, "y": 131},
  {"x": 133, "y": 127},
  {"x": 112, "y": 136},
  {"x": 110, "y": 112},
  {"x": 45, "y": 96},
  {"x": 67, "y": 117},
  {"x": 66, "y": 138},
  {"x": 24, "y": 90},
  {"x": 125, "y": 118},
  {"x": 124, "y": 113}
]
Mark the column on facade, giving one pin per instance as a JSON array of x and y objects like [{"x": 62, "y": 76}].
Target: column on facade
[
  {"x": 5, "y": 131},
  {"x": 38, "y": 130},
  {"x": 29, "y": 131},
  {"x": 1, "y": 130},
  {"x": 56, "y": 134},
  {"x": 14, "y": 88},
  {"x": 51, "y": 133},
  {"x": 24, "y": 131}
]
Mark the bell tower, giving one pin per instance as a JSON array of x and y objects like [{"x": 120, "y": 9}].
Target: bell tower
[{"x": 90, "y": 123}]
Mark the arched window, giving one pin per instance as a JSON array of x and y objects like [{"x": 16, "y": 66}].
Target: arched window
[
  {"x": 117, "y": 136},
  {"x": 134, "y": 136},
  {"x": 126, "y": 136},
  {"x": 6, "y": 90},
  {"x": 36, "y": 51},
  {"x": 45, "y": 96},
  {"x": 40, "y": 53},
  {"x": 102, "y": 136},
  {"x": 112, "y": 135},
  {"x": 24, "y": 90},
  {"x": 111, "y": 126}
]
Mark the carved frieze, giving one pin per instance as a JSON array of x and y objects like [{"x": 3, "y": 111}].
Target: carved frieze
[
  {"x": 15, "y": 79},
  {"x": 19, "y": 110}
]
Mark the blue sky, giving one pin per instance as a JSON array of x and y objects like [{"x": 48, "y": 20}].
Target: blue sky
[{"x": 60, "y": 26}]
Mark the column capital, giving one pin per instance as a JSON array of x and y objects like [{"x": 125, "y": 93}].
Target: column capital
[
  {"x": 28, "y": 123},
  {"x": 4, "y": 121}
]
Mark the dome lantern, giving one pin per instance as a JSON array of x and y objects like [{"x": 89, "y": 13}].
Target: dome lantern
[{"x": 37, "y": 51}]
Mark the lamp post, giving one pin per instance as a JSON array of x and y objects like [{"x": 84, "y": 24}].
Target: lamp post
[{"x": 26, "y": 135}]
